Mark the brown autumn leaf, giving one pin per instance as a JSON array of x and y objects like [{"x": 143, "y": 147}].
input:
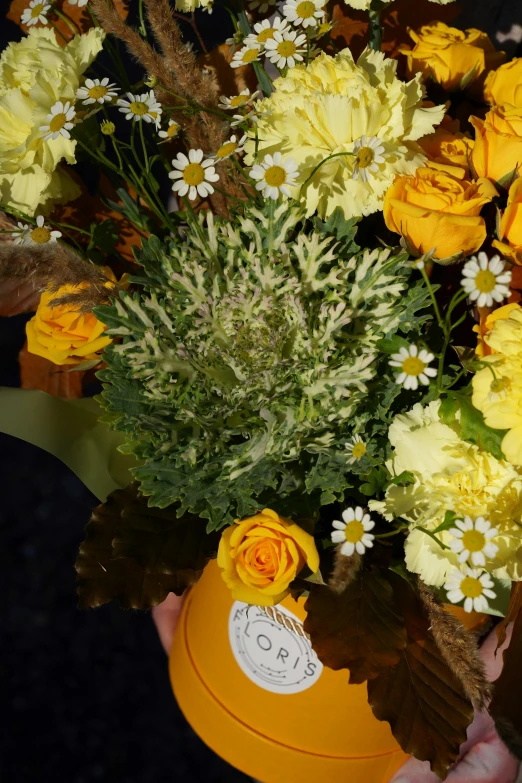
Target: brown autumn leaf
[
  {"x": 138, "y": 555},
  {"x": 515, "y": 606},
  {"x": 39, "y": 373},
  {"x": 359, "y": 629},
  {"x": 78, "y": 16},
  {"x": 16, "y": 298},
  {"x": 506, "y": 705},
  {"x": 231, "y": 81},
  {"x": 420, "y": 697}
]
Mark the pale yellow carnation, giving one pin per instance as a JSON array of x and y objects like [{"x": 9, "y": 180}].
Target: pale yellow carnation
[
  {"x": 186, "y": 6},
  {"x": 334, "y": 106},
  {"x": 450, "y": 475},
  {"x": 34, "y": 74}
]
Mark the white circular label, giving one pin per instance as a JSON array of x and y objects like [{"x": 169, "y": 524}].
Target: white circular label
[{"x": 273, "y": 657}]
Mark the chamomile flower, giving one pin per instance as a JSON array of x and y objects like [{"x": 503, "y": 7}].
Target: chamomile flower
[
  {"x": 265, "y": 30},
  {"x": 171, "y": 132},
  {"x": 261, "y": 5},
  {"x": 237, "y": 119},
  {"x": 35, "y": 235},
  {"x": 353, "y": 532},
  {"x": 79, "y": 3},
  {"x": 35, "y": 12},
  {"x": 470, "y": 585},
  {"x": 275, "y": 176},
  {"x": 356, "y": 449},
  {"x": 367, "y": 157},
  {"x": 231, "y": 147},
  {"x": 236, "y": 101},
  {"x": 285, "y": 49},
  {"x": 413, "y": 365},
  {"x": 485, "y": 281},
  {"x": 235, "y": 41},
  {"x": 193, "y": 175},
  {"x": 141, "y": 107},
  {"x": 96, "y": 91},
  {"x": 472, "y": 540},
  {"x": 248, "y": 54},
  {"x": 108, "y": 128},
  {"x": 304, "y": 13},
  {"x": 59, "y": 121}
]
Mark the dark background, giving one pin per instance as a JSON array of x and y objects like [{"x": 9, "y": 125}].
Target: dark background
[{"x": 85, "y": 696}]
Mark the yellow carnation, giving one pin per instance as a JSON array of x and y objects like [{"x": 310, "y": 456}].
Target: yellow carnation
[
  {"x": 261, "y": 555},
  {"x": 450, "y": 475},
  {"x": 34, "y": 74},
  {"x": 359, "y": 112}
]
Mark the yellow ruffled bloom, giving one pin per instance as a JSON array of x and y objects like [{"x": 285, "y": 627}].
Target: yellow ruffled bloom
[
  {"x": 505, "y": 84},
  {"x": 486, "y": 324},
  {"x": 361, "y": 114},
  {"x": 34, "y": 74},
  {"x": 497, "y": 389},
  {"x": 450, "y": 475},
  {"x": 509, "y": 240},
  {"x": 261, "y": 555}
]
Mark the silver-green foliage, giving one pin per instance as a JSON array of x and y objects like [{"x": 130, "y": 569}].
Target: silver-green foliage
[{"x": 250, "y": 356}]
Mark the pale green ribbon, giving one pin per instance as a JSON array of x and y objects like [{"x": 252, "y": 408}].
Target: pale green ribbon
[{"x": 70, "y": 430}]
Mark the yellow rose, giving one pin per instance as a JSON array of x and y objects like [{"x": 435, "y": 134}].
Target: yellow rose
[
  {"x": 510, "y": 228},
  {"x": 261, "y": 555},
  {"x": 505, "y": 84},
  {"x": 448, "y": 151},
  {"x": 451, "y": 57},
  {"x": 63, "y": 335},
  {"x": 433, "y": 210},
  {"x": 497, "y": 152}
]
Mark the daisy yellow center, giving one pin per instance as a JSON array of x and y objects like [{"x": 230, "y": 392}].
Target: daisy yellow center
[
  {"x": 471, "y": 587},
  {"x": 98, "y": 91},
  {"x": 57, "y": 122},
  {"x": 264, "y": 35},
  {"x": 275, "y": 176},
  {"x": 194, "y": 174},
  {"x": 40, "y": 235},
  {"x": 226, "y": 149},
  {"x": 354, "y": 531},
  {"x": 306, "y": 9},
  {"x": 249, "y": 56},
  {"x": 413, "y": 366},
  {"x": 485, "y": 281},
  {"x": 474, "y": 540},
  {"x": 139, "y": 107},
  {"x": 238, "y": 100},
  {"x": 37, "y": 10},
  {"x": 108, "y": 128},
  {"x": 358, "y": 451},
  {"x": 364, "y": 157},
  {"x": 286, "y": 48},
  {"x": 172, "y": 130}
]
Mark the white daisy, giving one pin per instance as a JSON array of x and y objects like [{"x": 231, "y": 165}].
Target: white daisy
[
  {"x": 59, "y": 121},
  {"x": 261, "y": 5},
  {"x": 231, "y": 147},
  {"x": 35, "y": 235},
  {"x": 471, "y": 540},
  {"x": 141, "y": 107},
  {"x": 471, "y": 585},
  {"x": 79, "y": 3},
  {"x": 96, "y": 91},
  {"x": 209, "y": 7},
  {"x": 356, "y": 448},
  {"x": 352, "y": 532},
  {"x": 35, "y": 12},
  {"x": 275, "y": 175},
  {"x": 235, "y": 41},
  {"x": 171, "y": 132},
  {"x": 193, "y": 175},
  {"x": 304, "y": 12},
  {"x": 485, "y": 281},
  {"x": 285, "y": 49},
  {"x": 414, "y": 367},
  {"x": 265, "y": 30},
  {"x": 367, "y": 157},
  {"x": 251, "y": 116},
  {"x": 245, "y": 56},
  {"x": 236, "y": 101}
]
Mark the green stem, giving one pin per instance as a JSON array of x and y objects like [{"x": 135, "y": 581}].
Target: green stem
[
  {"x": 375, "y": 41},
  {"x": 142, "y": 28},
  {"x": 69, "y": 22},
  {"x": 265, "y": 82}
]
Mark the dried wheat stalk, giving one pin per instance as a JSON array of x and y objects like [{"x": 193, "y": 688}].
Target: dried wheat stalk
[{"x": 345, "y": 570}]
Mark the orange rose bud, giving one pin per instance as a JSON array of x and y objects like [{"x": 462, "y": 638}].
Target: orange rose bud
[
  {"x": 262, "y": 554},
  {"x": 434, "y": 211},
  {"x": 497, "y": 152},
  {"x": 510, "y": 229},
  {"x": 505, "y": 84}
]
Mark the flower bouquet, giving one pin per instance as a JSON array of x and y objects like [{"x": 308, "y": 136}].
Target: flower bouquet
[{"x": 292, "y": 265}]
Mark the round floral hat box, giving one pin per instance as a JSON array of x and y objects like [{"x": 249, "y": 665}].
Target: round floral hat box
[{"x": 257, "y": 694}]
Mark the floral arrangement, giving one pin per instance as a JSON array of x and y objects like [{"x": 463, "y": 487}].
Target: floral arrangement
[{"x": 293, "y": 270}]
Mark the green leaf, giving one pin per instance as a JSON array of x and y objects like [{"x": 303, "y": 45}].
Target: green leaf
[
  {"x": 392, "y": 344},
  {"x": 103, "y": 236},
  {"x": 129, "y": 208},
  {"x": 359, "y": 629},
  {"x": 138, "y": 555},
  {"x": 471, "y": 424},
  {"x": 448, "y": 521},
  {"x": 376, "y": 481},
  {"x": 404, "y": 479}
]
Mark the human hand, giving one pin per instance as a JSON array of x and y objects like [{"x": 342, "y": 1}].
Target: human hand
[
  {"x": 483, "y": 757},
  {"x": 166, "y": 617}
]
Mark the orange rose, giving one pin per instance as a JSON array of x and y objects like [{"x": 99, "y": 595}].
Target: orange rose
[
  {"x": 433, "y": 210},
  {"x": 451, "y": 57},
  {"x": 261, "y": 555},
  {"x": 505, "y": 84},
  {"x": 510, "y": 229},
  {"x": 497, "y": 152},
  {"x": 448, "y": 151}
]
